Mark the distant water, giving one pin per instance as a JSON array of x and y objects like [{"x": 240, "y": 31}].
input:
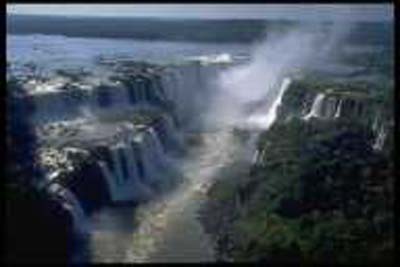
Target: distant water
[{"x": 56, "y": 51}]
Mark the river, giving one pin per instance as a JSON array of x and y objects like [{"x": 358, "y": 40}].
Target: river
[{"x": 167, "y": 229}]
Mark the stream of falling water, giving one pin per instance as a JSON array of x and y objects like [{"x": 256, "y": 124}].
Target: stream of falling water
[{"x": 169, "y": 230}]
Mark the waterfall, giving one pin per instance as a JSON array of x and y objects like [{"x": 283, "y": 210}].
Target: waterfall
[
  {"x": 255, "y": 157},
  {"x": 117, "y": 166},
  {"x": 304, "y": 109},
  {"x": 166, "y": 83},
  {"x": 131, "y": 189},
  {"x": 150, "y": 175},
  {"x": 171, "y": 132},
  {"x": 380, "y": 140},
  {"x": 316, "y": 107},
  {"x": 272, "y": 113},
  {"x": 156, "y": 146},
  {"x": 265, "y": 121},
  {"x": 129, "y": 154},
  {"x": 122, "y": 96},
  {"x": 261, "y": 157},
  {"x": 92, "y": 101},
  {"x": 182, "y": 81},
  {"x": 338, "y": 110},
  {"x": 109, "y": 179},
  {"x": 139, "y": 90},
  {"x": 330, "y": 109},
  {"x": 152, "y": 90},
  {"x": 166, "y": 131},
  {"x": 71, "y": 203},
  {"x": 131, "y": 94},
  {"x": 375, "y": 124},
  {"x": 170, "y": 84},
  {"x": 123, "y": 179}
]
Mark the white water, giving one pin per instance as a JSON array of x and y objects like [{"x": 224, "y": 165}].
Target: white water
[
  {"x": 316, "y": 107},
  {"x": 265, "y": 120},
  {"x": 338, "y": 110},
  {"x": 124, "y": 188},
  {"x": 210, "y": 59},
  {"x": 169, "y": 230},
  {"x": 380, "y": 139},
  {"x": 255, "y": 157},
  {"x": 258, "y": 157}
]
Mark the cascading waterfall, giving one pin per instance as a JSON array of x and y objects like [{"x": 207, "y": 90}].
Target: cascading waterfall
[
  {"x": 255, "y": 157},
  {"x": 109, "y": 177},
  {"x": 166, "y": 82},
  {"x": 258, "y": 157},
  {"x": 265, "y": 121},
  {"x": 122, "y": 96},
  {"x": 316, "y": 107},
  {"x": 133, "y": 173},
  {"x": 165, "y": 129},
  {"x": 272, "y": 113},
  {"x": 71, "y": 203},
  {"x": 375, "y": 125},
  {"x": 380, "y": 132},
  {"x": 304, "y": 109},
  {"x": 331, "y": 107},
  {"x": 158, "y": 92},
  {"x": 380, "y": 139},
  {"x": 156, "y": 147},
  {"x": 117, "y": 165},
  {"x": 124, "y": 187},
  {"x": 186, "y": 101},
  {"x": 171, "y": 132},
  {"x": 338, "y": 110},
  {"x": 151, "y": 176}
]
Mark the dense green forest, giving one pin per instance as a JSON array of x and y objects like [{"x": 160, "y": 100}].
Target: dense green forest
[{"x": 319, "y": 194}]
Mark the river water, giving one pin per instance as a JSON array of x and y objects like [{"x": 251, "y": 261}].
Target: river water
[{"x": 167, "y": 229}]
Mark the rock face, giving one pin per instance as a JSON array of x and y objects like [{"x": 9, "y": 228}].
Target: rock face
[
  {"x": 108, "y": 141},
  {"x": 108, "y": 163}
]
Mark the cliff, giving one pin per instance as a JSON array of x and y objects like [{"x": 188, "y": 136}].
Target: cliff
[{"x": 320, "y": 189}]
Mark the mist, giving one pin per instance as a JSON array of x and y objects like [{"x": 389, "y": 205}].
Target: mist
[{"x": 246, "y": 94}]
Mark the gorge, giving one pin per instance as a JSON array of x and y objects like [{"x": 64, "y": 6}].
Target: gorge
[{"x": 215, "y": 157}]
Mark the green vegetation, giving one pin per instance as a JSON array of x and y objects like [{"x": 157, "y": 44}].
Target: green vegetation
[{"x": 321, "y": 194}]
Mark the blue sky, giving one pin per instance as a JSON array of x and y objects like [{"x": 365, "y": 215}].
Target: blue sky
[{"x": 367, "y": 12}]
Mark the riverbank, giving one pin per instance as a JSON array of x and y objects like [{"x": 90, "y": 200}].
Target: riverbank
[{"x": 305, "y": 201}]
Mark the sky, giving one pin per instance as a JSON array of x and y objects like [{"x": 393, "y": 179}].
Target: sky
[{"x": 366, "y": 12}]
